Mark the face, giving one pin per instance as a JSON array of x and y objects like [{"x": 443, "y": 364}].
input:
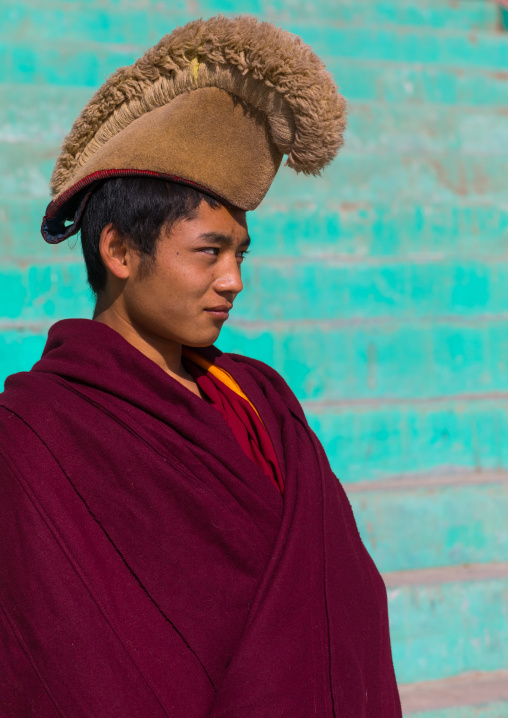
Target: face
[{"x": 196, "y": 268}]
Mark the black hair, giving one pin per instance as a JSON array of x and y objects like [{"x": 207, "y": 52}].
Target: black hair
[{"x": 139, "y": 208}]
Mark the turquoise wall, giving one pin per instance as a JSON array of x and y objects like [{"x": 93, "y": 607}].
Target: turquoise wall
[{"x": 379, "y": 290}]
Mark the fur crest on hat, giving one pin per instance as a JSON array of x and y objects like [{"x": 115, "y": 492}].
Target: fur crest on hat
[{"x": 265, "y": 66}]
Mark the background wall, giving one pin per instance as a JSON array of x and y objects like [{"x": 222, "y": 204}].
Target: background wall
[{"x": 379, "y": 291}]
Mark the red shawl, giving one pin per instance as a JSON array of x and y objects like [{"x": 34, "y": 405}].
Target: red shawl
[{"x": 149, "y": 568}]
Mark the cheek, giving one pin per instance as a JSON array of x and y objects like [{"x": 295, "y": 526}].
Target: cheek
[
  {"x": 187, "y": 275},
  {"x": 172, "y": 291}
]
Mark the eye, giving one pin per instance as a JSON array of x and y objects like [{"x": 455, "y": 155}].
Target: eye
[{"x": 215, "y": 251}]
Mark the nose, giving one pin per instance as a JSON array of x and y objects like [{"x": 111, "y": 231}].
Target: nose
[{"x": 230, "y": 278}]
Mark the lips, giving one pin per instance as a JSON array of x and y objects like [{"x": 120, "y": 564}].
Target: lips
[
  {"x": 220, "y": 312},
  {"x": 220, "y": 308}
]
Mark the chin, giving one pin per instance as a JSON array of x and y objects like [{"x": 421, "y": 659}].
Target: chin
[{"x": 204, "y": 341}]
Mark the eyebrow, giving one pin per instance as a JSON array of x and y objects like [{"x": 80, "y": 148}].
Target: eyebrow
[{"x": 224, "y": 239}]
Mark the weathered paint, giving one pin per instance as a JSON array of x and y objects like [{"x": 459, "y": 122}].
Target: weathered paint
[
  {"x": 392, "y": 82},
  {"x": 498, "y": 709},
  {"x": 378, "y": 440},
  {"x": 20, "y": 347},
  {"x": 452, "y": 628},
  {"x": 476, "y": 691},
  {"x": 437, "y": 526},
  {"x": 94, "y": 19}
]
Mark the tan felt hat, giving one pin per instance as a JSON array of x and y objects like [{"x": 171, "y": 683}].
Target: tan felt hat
[{"x": 214, "y": 105}]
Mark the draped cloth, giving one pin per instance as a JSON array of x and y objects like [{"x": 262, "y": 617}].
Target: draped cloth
[
  {"x": 238, "y": 411},
  {"x": 148, "y": 566}
]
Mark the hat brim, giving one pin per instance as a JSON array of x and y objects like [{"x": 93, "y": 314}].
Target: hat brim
[{"x": 70, "y": 205}]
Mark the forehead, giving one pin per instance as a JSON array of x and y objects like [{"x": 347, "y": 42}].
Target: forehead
[{"x": 221, "y": 225}]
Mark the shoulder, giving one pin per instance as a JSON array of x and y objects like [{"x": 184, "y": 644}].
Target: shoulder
[
  {"x": 23, "y": 454},
  {"x": 28, "y": 398},
  {"x": 15, "y": 424},
  {"x": 24, "y": 389},
  {"x": 29, "y": 410}
]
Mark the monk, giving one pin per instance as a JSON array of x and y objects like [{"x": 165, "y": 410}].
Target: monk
[{"x": 173, "y": 540}]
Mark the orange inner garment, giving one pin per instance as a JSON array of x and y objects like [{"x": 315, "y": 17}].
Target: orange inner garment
[{"x": 221, "y": 374}]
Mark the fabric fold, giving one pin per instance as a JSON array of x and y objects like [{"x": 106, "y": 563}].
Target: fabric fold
[{"x": 239, "y": 413}]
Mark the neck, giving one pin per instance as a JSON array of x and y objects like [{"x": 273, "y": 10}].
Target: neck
[{"x": 164, "y": 352}]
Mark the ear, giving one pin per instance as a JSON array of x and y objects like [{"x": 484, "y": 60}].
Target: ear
[{"x": 116, "y": 255}]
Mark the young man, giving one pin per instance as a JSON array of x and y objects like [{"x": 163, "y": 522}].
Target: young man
[{"x": 173, "y": 541}]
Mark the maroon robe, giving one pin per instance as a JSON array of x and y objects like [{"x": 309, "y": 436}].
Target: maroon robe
[{"x": 148, "y": 567}]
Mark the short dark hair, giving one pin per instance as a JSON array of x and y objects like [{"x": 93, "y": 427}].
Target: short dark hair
[{"x": 139, "y": 208}]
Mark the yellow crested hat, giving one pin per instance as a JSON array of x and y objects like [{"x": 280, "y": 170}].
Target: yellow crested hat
[{"x": 215, "y": 105}]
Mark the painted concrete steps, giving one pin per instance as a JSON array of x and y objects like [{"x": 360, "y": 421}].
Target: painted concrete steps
[
  {"x": 426, "y": 289},
  {"x": 85, "y": 63},
  {"x": 451, "y": 370},
  {"x": 490, "y": 710},
  {"x": 102, "y": 22},
  {"x": 365, "y": 354},
  {"x": 418, "y": 177},
  {"x": 475, "y": 694},
  {"x": 375, "y": 439},
  {"x": 408, "y": 128},
  {"x": 408, "y": 81},
  {"x": 378, "y": 231},
  {"x": 360, "y": 367},
  {"x": 448, "y": 621},
  {"x": 422, "y": 45},
  {"x": 430, "y": 524},
  {"x": 414, "y": 178},
  {"x": 21, "y": 348},
  {"x": 411, "y": 81}
]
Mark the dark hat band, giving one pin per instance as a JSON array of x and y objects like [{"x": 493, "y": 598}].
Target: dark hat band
[{"x": 71, "y": 204}]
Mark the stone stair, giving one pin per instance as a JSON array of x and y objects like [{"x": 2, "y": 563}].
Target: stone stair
[
  {"x": 470, "y": 694},
  {"x": 443, "y": 549}
]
